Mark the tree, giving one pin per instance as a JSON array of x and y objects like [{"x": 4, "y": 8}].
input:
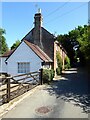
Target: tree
[
  {"x": 15, "y": 44},
  {"x": 80, "y": 38},
  {"x": 3, "y": 44},
  {"x": 84, "y": 42},
  {"x": 67, "y": 43}
]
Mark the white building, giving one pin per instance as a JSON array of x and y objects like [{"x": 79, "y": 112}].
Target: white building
[{"x": 36, "y": 50}]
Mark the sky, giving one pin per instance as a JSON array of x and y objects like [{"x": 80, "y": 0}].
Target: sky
[
  {"x": 58, "y": 17},
  {"x": 89, "y": 12}
]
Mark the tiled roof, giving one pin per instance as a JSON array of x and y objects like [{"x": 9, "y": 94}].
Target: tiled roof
[
  {"x": 8, "y": 53},
  {"x": 46, "y": 43},
  {"x": 42, "y": 55}
]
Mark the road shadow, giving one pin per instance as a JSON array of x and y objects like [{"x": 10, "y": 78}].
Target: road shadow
[{"x": 72, "y": 87}]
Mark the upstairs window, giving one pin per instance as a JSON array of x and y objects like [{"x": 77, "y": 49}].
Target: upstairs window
[{"x": 23, "y": 67}]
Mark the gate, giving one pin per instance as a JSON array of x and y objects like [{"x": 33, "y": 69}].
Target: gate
[{"x": 15, "y": 86}]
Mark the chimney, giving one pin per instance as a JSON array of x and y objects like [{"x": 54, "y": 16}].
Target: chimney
[
  {"x": 37, "y": 29},
  {"x": 38, "y": 19}
]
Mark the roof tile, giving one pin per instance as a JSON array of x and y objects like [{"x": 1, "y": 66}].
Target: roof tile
[
  {"x": 8, "y": 53},
  {"x": 38, "y": 51}
]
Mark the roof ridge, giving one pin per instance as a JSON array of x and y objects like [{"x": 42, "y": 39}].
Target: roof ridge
[
  {"x": 35, "y": 46},
  {"x": 39, "y": 50},
  {"x": 27, "y": 34},
  {"x": 44, "y": 53},
  {"x": 7, "y": 53}
]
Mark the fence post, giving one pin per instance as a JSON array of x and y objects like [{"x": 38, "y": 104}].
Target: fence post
[
  {"x": 8, "y": 89},
  {"x": 41, "y": 74}
]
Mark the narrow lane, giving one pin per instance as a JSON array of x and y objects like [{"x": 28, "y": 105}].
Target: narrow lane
[
  {"x": 64, "y": 98},
  {"x": 73, "y": 87}
]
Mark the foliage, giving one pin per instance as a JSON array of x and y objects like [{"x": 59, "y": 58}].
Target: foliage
[
  {"x": 84, "y": 43},
  {"x": 66, "y": 43},
  {"x": 48, "y": 75},
  {"x": 58, "y": 71},
  {"x": 59, "y": 63},
  {"x": 15, "y": 44},
  {"x": 3, "y": 44},
  {"x": 79, "y": 36},
  {"x": 67, "y": 63}
]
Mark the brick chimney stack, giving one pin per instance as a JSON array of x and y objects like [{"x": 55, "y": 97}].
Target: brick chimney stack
[
  {"x": 38, "y": 19},
  {"x": 37, "y": 29}
]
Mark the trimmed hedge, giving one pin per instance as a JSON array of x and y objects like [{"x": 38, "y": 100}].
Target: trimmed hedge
[
  {"x": 48, "y": 75},
  {"x": 67, "y": 63},
  {"x": 59, "y": 63}
]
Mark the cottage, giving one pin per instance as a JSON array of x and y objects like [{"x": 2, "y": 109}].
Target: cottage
[{"x": 37, "y": 49}]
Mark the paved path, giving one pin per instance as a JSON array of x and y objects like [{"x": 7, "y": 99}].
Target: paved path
[{"x": 65, "y": 98}]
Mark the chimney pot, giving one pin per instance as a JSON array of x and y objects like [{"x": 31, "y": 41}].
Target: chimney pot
[{"x": 38, "y": 19}]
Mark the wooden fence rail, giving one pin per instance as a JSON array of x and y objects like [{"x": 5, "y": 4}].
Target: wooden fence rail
[{"x": 15, "y": 86}]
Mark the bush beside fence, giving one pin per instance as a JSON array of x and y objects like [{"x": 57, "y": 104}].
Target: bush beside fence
[{"x": 48, "y": 75}]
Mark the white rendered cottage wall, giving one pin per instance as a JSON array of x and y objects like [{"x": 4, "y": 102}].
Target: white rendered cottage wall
[
  {"x": 3, "y": 66},
  {"x": 23, "y": 54}
]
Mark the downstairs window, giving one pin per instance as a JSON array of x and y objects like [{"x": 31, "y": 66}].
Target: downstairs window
[{"x": 23, "y": 67}]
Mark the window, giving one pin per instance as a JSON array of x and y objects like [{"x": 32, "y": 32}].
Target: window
[
  {"x": 23, "y": 67},
  {"x": 46, "y": 66}
]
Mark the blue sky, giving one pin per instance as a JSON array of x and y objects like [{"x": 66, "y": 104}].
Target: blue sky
[{"x": 58, "y": 17}]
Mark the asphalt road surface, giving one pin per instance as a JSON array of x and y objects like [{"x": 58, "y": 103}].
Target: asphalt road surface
[{"x": 64, "y": 98}]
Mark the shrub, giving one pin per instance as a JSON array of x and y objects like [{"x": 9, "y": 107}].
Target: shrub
[
  {"x": 47, "y": 75},
  {"x": 59, "y": 63},
  {"x": 67, "y": 63},
  {"x": 58, "y": 71}
]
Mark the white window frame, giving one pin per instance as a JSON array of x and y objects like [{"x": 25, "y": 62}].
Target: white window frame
[{"x": 23, "y": 67}]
